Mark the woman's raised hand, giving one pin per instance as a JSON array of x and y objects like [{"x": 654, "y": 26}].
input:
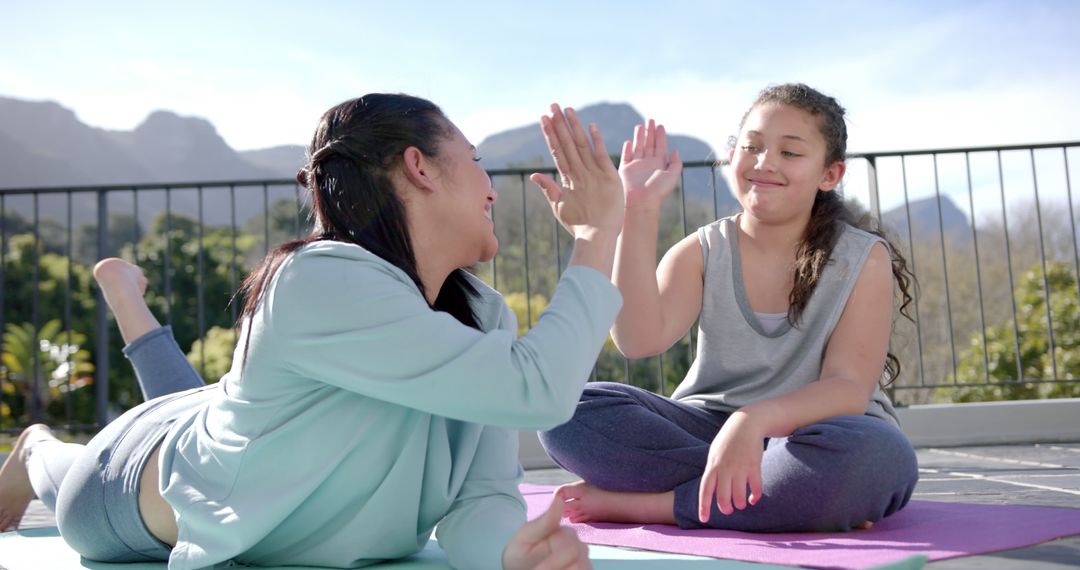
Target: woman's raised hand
[
  {"x": 590, "y": 197},
  {"x": 649, "y": 174}
]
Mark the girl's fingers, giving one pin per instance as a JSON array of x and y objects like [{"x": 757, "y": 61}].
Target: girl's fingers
[
  {"x": 564, "y": 549},
  {"x": 723, "y": 496},
  {"x": 650, "y": 139},
  {"x": 639, "y": 141},
  {"x": 627, "y": 152},
  {"x": 705, "y": 496},
  {"x": 738, "y": 493},
  {"x": 661, "y": 143},
  {"x": 756, "y": 487},
  {"x": 675, "y": 162}
]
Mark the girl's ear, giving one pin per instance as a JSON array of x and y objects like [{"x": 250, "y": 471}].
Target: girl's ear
[
  {"x": 418, "y": 169},
  {"x": 832, "y": 176}
]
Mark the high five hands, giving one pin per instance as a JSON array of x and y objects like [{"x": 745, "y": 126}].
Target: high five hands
[
  {"x": 649, "y": 174},
  {"x": 590, "y": 197}
]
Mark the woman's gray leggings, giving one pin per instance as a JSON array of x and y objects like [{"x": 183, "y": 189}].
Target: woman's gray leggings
[
  {"x": 832, "y": 475},
  {"x": 94, "y": 489}
]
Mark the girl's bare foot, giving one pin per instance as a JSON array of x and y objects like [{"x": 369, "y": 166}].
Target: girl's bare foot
[
  {"x": 15, "y": 490},
  {"x": 586, "y": 503},
  {"x": 123, "y": 286}
]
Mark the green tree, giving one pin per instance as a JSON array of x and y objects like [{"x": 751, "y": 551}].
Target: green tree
[
  {"x": 44, "y": 368},
  {"x": 213, "y": 352},
  {"x": 997, "y": 361}
]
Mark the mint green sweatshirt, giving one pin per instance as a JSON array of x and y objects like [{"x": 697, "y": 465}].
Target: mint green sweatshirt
[{"x": 363, "y": 418}]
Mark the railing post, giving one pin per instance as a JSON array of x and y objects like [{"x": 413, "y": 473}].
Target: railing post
[
  {"x": 101, "y": 371},
  {"x": 871, "y": 185}
]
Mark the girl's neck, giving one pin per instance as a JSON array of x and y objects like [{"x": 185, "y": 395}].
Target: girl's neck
[{"x": 776, "y": 239}]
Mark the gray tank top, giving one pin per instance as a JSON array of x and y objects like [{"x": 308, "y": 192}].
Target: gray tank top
[{"x": 738, "y": 362}]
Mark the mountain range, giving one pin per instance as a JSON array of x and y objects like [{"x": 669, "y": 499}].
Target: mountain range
[{"x": 43, "y": 144}]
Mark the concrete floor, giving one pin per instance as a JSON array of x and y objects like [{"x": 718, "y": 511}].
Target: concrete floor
[{"x": 1037, "y": 474}]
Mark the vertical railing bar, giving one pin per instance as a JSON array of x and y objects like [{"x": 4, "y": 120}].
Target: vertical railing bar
[
  {"x": 3, "y": 299},
  {"x": 911, "y": 248},
  {"x": 525, "y": 240},
  {"x": 168, "y": 256},
  {"x": 715, "y": 191},
  {"x": 685, "y": 232},
  {"x": 36, "y": 411},
  {"x": 136, "y": 232},
  {"x": 873, "y": 193},
  {"x": 1042, "y": 260},
  {"x": 626, "y": 370},
  {"x": 266, "y": 219},
  {"x": 69, "y": 404},
  {"x": 299, "y": 210},
  {"x": 1072, "y": 223},
  {"x": 660, "y": 373},
  {"x": 978, "y": 270},
  {"x": 233, "y": 277},
  {"x": 945, "y": 267},
  {"x": 1008, "y": 261},
  {"x": 101, "y": 370},
  {"x": 494, "y": 260},
  {"x": 200, "y": 317}
]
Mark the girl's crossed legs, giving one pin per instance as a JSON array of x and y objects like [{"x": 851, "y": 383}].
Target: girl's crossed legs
[{"x": 642, "y": 456}]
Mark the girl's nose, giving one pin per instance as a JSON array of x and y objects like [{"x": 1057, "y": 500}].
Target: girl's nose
[{"x": 765, "y": 161}]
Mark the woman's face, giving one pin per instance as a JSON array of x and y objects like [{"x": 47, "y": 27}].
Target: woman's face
[
  {"x": 469, "y": 198},
  {"x": 779, "y": 163}
]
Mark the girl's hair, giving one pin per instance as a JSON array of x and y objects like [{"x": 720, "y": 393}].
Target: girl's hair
[
  {"x": 355, "y": 149},
  {"x": 829, "y": 213}
]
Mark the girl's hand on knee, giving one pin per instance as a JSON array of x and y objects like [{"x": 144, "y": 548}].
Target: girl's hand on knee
[
  {"x": 649, "y": 174},
  {"x": 734, "y": 464},
  {"x": 543, "y": 544}
]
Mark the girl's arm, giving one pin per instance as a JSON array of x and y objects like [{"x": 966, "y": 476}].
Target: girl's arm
[
  {"x": 854, "y": 360},
  {"x": 660, "y": 302}
]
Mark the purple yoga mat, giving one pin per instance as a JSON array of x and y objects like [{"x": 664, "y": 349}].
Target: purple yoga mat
[{"x": 937, "y": 529}]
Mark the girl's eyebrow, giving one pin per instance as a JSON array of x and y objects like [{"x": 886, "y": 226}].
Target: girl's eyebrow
[{"x": 792, "y": 137}]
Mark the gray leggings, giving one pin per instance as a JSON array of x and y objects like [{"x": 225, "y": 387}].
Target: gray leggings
[
  {"x": 94, "y": 489},
  {"x": 832, "y": 475}
]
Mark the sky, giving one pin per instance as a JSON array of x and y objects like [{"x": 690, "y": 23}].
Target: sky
[{"x": 913, "y": 74}]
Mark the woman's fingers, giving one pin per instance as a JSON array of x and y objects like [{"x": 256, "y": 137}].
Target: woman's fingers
[
  {"x": 601, "y": 157},
  {"x": 552, "y": 190},
  {"x": 567, "y": 551},
  {"x": 572, "y": 160},
  {"x": 756, "y": 487},
  {"x": 705, "y": 495},
  {"x": 581, "y": 140}
]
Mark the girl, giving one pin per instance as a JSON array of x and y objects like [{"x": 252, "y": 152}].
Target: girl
[
  {"x": 375, "y": 384},
  {"x": 780, "y": 424}
]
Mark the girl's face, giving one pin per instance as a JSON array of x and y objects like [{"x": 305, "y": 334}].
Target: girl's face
[
  {"x": 779, "y": 164},
  {"x": 469, "y": 198}
]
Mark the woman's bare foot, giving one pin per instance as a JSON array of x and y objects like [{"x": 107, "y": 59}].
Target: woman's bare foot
[
  {"x": 866, "y": 525},
  {"x": 586, "y": 503},
  {"x": 123, "y": 286},
  {"x": 15, "y": 490}
]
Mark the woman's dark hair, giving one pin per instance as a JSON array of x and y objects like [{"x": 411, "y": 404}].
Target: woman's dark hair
[
  {"x": 829, "y": 213},
  {"x": 355, "y": 149}
]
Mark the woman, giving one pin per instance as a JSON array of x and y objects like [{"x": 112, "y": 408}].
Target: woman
[{"x": 375, "y": 385}]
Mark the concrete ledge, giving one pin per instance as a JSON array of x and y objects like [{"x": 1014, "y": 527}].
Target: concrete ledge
[
  {"x": 937, "y": 425},
  {"x": 1021, "y": 421}
]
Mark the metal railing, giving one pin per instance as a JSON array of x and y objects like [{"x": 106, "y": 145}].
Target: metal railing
[{"x": 989, "y": 232}]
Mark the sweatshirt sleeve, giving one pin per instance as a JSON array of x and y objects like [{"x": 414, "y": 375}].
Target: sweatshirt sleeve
[
  {"x": 489, "y": 509},
  {"x": 362, "y": 325}
]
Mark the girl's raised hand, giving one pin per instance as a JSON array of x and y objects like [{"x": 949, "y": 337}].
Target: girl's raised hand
[
  {"x": 734, "y": 464},
  {"x": 649, "y": 174},
  {"x": 590, "y": 197}
]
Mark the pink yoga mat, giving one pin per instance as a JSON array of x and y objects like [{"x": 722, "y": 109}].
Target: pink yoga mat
[{"x": 936, "y": 529}]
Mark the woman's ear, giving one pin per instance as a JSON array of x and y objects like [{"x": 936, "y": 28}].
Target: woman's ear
[
  {"x": 418, "y": 169},
  {"x": 832, "y": 176}
]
